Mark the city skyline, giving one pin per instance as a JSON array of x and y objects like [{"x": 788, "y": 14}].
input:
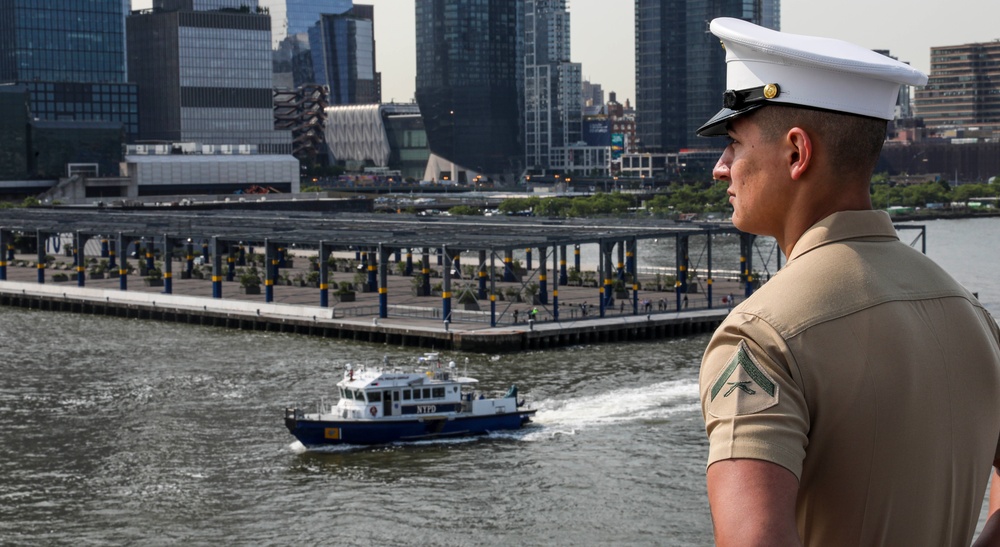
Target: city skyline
[{"x": 907, "y": 29}]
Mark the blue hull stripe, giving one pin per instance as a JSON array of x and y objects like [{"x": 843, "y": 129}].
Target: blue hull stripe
[{"x": 316, "y": 433}]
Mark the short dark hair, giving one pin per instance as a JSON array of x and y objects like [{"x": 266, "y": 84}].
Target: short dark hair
[{"x": 854, "y": 142}]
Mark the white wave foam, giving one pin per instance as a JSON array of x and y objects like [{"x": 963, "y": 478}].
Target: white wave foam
[{"x": 657, "y": 401}]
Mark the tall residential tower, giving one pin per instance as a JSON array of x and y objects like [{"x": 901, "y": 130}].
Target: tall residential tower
[
  {"x": 552, "y": 83},
  {"x": 680, "y": 66},
  {"x": 469, "y": 81}
]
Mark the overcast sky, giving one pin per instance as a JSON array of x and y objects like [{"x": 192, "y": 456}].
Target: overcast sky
[{"x": 603, "y": 40}]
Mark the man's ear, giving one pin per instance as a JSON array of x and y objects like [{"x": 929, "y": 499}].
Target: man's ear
[{"x": 800, "y": 152}]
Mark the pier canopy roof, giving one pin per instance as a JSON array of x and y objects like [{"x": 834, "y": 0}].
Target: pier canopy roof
[{"x": 307, "y": 229}]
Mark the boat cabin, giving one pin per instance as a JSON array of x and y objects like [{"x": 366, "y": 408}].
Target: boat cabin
[{"x": 380, "y": 393}]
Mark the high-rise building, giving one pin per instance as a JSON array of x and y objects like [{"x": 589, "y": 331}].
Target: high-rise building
[
  {"x": 593, "y": 94},
  {"x": 290, "y": 24},
  {"x": 469, "y": 80},
  {"x": 342, "y": 50},
  {"x": 963, "y": 90},
  {"x": 70, "y": 55},
  {"x": 552, "y": 83},
  {"x": 680, "y": 66},
  {"x": 205, "y": 76}
]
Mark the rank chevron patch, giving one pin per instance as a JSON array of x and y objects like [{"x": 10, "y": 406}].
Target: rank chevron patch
[{"x": 743, "y": 387}]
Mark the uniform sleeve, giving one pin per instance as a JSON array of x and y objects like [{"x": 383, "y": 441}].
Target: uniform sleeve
[
  {"x": 751, "y": 402},
  {"x": 996, "y": 336}
]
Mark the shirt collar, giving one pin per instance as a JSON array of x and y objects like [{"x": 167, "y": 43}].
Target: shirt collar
[{"x": 843, "y": 225}]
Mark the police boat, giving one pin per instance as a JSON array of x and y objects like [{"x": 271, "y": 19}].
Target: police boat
[{"x": 385, "y": 405}]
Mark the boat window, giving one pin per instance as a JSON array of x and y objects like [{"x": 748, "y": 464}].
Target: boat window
[
  {"x": 347, "y": 394},
  {"x": 416, "y": 393},
  {"x": 359, "y": 395},
  {"x": 427, "y": 393},
  {"x": 438, "y": 393},
  {"x": 406, "y": 395},
  {"x": 374, "y": 396}
]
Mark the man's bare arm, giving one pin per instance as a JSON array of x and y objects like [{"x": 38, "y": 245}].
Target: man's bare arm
[
  {"x": 753, "y": 503},
  {"x": 991, "y": 532}
]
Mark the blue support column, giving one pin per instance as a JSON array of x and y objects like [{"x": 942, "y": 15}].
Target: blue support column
[
  {"x": 189, "y": 255},
  {"x": 270, "y": 270},
  {"x": 709, "y": 281},
  {"x": 409, "y": 263},
  {"x": 576, "y": 258},
  {"x": 230, "y": 263},
  {"x": 40, "y": 238},
  {"x": 746, "y": 262},
  {"x": 324, "y": 275},
  {"x": 4, "y": 236},
  {"x": 205, "y": 255},
  {"x": 482, "y": 275},
  {"x": 216, "y": 268},
  {"x": 620, "y": 272},
  {"x": 608, "y": 289},
  {"x": 242, "y": 260},
  {"x": 372, "y": 273},
  {"x": 563, "y": 274},
  {"x": 281, "y": 257},
  {"x": 80, "y": 257},
  {"x": 556, "y": 265},
  {"x": 493, "y": 288},
  {"x": 10, "y": 252},
  {"x": 682, "y": 268},
  {"x": 105, "y": 251},
  {"x": 543, "y": 286},
  {"x": 630, "y": 266},
  {"x": 527, "y": 259},
  {"x": 508, "y": 265},
  {"x": 168, "y": 265},
  {"x": 383, "y": 282},
  {"x": 425, "y": 269},
  {"x": 456, "y": 265},
  {"x": 446, "y": 286},
  {"x": 150, "y": 262},
  {"x": 123, "y": 267}
]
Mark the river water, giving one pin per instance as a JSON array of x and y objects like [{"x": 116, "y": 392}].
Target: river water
[{"x": 128, "y": 432}]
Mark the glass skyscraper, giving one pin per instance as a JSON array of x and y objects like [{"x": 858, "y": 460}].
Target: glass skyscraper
[
  {"x": 680, "y": 66},
  {"x": 205, "y": 77},
  {"x": 291, "y": 21},
  {"x": 552, "y": 83},
  {"x": 342, "y": 51},
  {"x": 70, "y": 55},
  {"x": 469, "y": 81}
]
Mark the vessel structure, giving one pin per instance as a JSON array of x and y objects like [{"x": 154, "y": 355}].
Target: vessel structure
[{"x": 385, "y": 405}]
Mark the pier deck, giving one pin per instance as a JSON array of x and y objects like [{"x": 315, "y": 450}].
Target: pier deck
[{"x": 412, "y": 321}]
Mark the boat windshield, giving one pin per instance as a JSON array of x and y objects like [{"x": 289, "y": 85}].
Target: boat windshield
[{"x": 347, "y": 394}]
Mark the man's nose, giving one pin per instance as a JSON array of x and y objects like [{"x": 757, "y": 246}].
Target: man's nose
[{"x": 721, "y": 169}]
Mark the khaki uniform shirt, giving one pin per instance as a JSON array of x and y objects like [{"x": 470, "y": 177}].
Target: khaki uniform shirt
[{"x": 874, "y": 377}]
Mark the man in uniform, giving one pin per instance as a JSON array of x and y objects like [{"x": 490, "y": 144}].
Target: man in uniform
[{"x": 855, "y": 398}]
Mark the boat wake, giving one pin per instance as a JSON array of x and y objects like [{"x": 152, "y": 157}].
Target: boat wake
[{"x": 645, "y": 403}]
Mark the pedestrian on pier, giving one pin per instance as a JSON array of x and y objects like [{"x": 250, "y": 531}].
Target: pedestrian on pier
[{"x": 854, "y": 399}]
